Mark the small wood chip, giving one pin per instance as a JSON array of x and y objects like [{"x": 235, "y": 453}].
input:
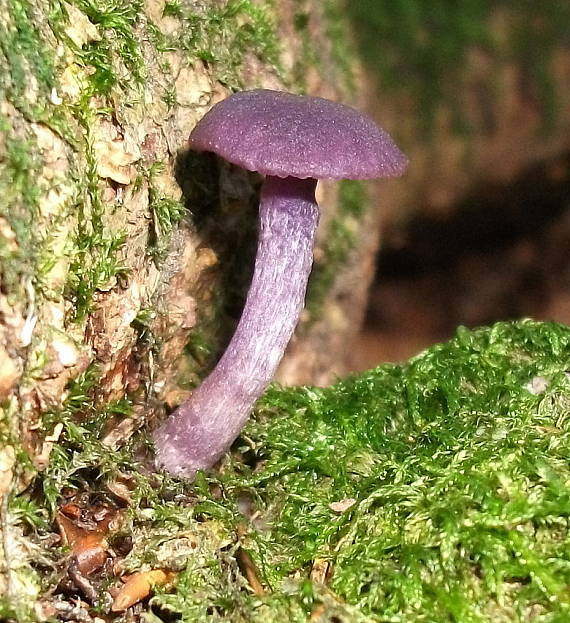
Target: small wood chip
[
  {"x": 342, "y": 505},
  {"x": 248, "y": 568},
  {"x": 138, "y": 586}
]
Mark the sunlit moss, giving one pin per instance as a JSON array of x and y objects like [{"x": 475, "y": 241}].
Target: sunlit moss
[
  {"x": 435, "y": 491},
  {"x": 455, "y": 466}
]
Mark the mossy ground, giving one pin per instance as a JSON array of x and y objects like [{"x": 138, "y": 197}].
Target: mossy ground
[
  {"x": 459, "y": 473},
  {"x": 433, "y": 491}
]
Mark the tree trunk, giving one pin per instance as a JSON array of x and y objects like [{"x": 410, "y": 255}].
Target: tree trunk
[{"x": 124, "y": 258}]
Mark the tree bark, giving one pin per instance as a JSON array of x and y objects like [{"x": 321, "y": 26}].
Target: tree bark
[{"x": 123, "y": 256}]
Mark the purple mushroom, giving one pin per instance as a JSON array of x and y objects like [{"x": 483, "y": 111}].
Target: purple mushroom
[{"x": 293, "y": 140}]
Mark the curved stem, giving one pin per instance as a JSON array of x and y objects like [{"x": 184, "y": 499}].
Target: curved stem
[{"x": 198, "y": 433}]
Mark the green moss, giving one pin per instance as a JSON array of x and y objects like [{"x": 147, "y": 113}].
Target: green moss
[
  {"x": 200, "y": 347},
  {"x": 453, "y": 470},
  {"x": 25, "y": 52},
  {"x": 458, "y": 474},
  {"x": 172, "y": 8},
  {"x": 79, "y": 459},
  {"x": 341, "y": 237},
  {"x": 170, "y": 97},
  {"x": 22, "y": 613},
  {"x": 30, "y": 80},
  {"x": 28, "y": 65},
  {"x": 143, "y": 326},
  {"x": 118, "y": 22},
  {"x": 96, "y": 260},
  {"x": 338, "y": 58},
  {"x": 29, "y": 513},
  {"x": 20, "y": 209},
  {"x": 95, "y": 264},
  {"x": 165, "y": 212},
  {"x": 224, "y": 34}
]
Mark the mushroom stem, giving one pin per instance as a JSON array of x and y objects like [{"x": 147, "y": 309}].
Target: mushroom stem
[{"x": 198, "y": 433}]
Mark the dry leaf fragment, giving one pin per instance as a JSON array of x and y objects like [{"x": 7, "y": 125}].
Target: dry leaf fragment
[
  {"x": 7, "y": 462},
  {"x": 342, "y": 505},
  {"x": 89, "y": 547},
  {"x": 138, "y": 586}
]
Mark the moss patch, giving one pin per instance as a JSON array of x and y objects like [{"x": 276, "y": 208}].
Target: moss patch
[
  {"x": 96, "y": 260},
  {"x": 223, "y": 35},
  {"x": 432, "y": 491},
  {"x": 453, "y": 475},
  {"x": 28, "y": 63},
  {"x": 116, "y": 59},
  {"x": 455, "y": 471}
]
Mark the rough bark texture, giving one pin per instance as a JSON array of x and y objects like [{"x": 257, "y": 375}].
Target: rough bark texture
[{"x": 118, "y": 247}]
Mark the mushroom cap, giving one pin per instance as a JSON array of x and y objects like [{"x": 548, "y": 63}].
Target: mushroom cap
[{"x": 283, "y": 134}]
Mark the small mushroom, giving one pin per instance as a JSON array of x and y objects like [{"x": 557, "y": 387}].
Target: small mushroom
[{"x": 293, "y": 140}]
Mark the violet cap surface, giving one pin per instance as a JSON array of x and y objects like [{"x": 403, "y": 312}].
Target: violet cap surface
[{"x": 282, "y": 134}]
